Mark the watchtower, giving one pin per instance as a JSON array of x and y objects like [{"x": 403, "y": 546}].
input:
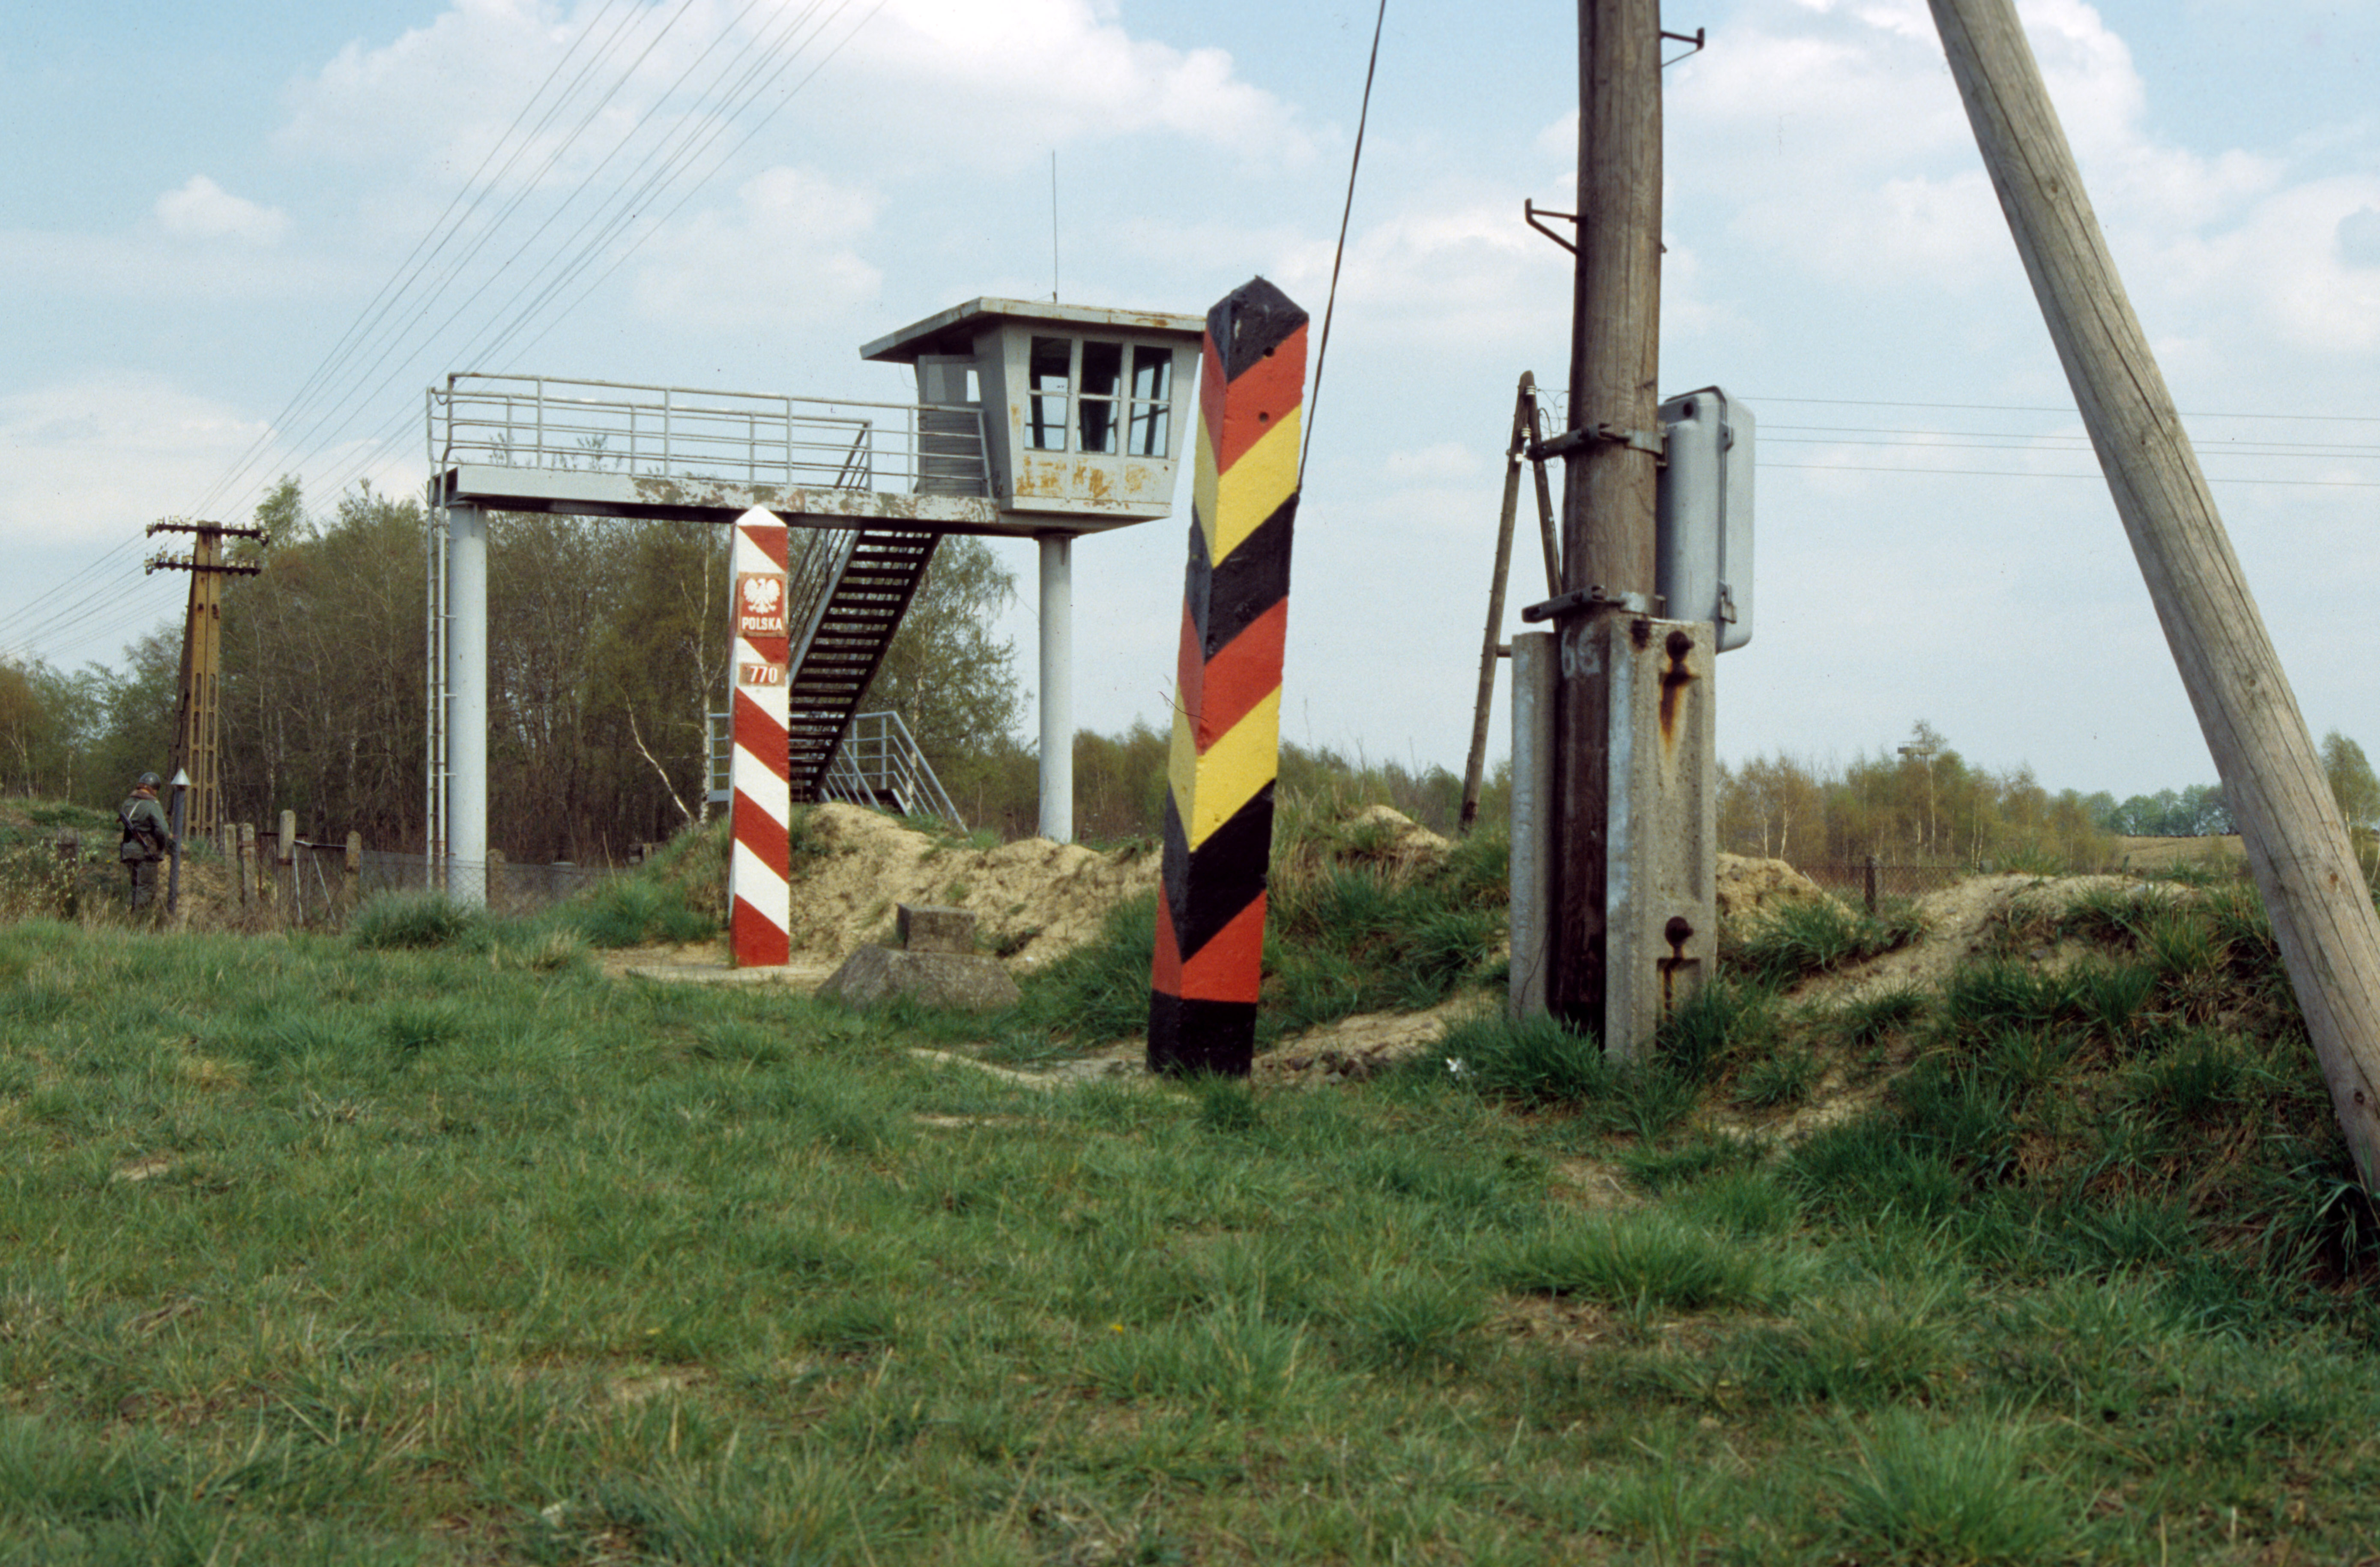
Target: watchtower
[{"x": 1033, "y": 420}]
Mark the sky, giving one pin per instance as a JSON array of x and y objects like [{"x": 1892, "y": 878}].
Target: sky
[{"x": 238, "y": 240}]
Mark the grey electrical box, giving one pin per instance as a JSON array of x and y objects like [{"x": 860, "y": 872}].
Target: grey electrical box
[{"x": 1702, "y": 514}]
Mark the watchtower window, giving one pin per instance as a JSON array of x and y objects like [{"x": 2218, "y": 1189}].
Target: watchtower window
[
  {"x": 1152, "y": 395},
  {"x": 1050, "y": 382},
  {"x": 1117, "y": 398},
  {"x": 1102, "y": 385}
]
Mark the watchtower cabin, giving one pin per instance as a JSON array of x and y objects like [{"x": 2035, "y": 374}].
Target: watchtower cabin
[{"x": 1085, "y": 409}]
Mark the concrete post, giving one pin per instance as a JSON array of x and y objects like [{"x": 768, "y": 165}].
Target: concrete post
[
  {"x": 1057, "y": 688},
  {"x": 1532, "y": 793},
  {"x": 1661, "y": 894},
  {"x": 466, "y": 704}
]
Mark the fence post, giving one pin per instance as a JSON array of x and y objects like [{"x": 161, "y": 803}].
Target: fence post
[
  {"x": 1871, "y": 883},
  {"x": 354, "y": 891},
  {"x": 243, "y": 839},
  {"x": 284, "y": 852},
  {"x": 495, "y": 877}
]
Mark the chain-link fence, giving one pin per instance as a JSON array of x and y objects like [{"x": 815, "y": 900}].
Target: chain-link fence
[
  {"x": 1873, "y": 882},
  {"x": 506, "y": 886},
  {"x": 242, "y": 880}
]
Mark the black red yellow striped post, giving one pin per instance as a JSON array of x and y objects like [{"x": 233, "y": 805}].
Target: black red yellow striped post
[{"x": 1202, "y": 1002}]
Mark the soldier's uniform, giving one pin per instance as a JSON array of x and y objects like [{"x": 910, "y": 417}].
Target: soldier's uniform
[{"x": 148, "y": 839}]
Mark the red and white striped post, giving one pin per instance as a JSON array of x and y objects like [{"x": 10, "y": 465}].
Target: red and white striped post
[{"x": 759, "y": 902}]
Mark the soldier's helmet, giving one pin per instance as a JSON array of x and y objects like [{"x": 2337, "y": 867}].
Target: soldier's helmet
[{"x": 148, "y": 780}]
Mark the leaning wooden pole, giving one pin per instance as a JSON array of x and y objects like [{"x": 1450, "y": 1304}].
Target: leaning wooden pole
[
  {"x": 1208, "y": 964},
  {"x": 2297, "y": 841}
]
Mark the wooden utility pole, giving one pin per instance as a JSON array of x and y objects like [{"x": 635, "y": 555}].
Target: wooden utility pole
[
  {"x": 195, "y": 722},
  {"x": 1610, "y": 454},
  {"x": 2297, "y": 841}
]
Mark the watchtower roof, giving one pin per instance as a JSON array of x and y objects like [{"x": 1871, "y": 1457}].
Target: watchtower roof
[{"x": 953, "y": 331}]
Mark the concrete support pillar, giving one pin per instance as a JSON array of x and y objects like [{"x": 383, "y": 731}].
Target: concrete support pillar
[
  {"x": 466, "y": 704},
  {"x": 1532, "y": 812},
  {"x": 1661, "y": 896},
  {"x": 1057, "y": 688}
]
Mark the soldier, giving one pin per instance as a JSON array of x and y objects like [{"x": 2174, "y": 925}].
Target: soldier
[{"x": 148, "y": 838}]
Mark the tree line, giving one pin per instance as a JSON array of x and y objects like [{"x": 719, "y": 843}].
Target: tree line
[
  {"x": 607, "y": 648},
  {"x": 607, "y": 651}
]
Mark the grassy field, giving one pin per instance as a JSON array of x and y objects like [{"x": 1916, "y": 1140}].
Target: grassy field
[{"x": 431, "y": 1242}]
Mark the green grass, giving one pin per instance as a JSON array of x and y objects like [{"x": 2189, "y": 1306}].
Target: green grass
[
  {"x": 428, "y": 1243},
  {"x": 1800, "y": 939}
]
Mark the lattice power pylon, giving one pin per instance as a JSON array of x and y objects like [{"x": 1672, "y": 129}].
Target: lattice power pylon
[{"x": 195, "y": 720}]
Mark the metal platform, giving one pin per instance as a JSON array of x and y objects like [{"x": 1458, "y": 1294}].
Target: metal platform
[{"x": 604, "y": 448}]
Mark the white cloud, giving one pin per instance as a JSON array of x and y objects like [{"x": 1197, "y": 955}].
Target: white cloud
[
  {"x": 204, "y": 210},
  {"x": 1437, "y": 464},
  {"x": 2358, "y": 237},
  {"x": 94, "y": 459},
  {"x": 920, "y": 79},
  {"x": 1011, "y": 81},
  {"x": 786, "y": 252}
]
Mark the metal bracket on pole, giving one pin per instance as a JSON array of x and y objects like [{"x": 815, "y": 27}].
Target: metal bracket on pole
[
  {"x": 1592, "y": 598},
  {"x": 1694, "y": 38},
  {"x": 1654, "y": 442},
  {"x": 1531, "y": 212}
]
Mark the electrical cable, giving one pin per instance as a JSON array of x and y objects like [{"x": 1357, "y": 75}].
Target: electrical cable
[
  {"x": 2013, "y": 473},
  {"x": 361, "y": 390},
  {"x": 629, "y": 204},
  {"x": 1338, "y": 253},
  {"x": 435, "y": 239}
]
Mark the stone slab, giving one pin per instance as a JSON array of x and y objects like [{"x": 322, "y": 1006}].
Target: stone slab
[
  {"x": 962, "y": 981},
  {"x": 934, "y": 928}
]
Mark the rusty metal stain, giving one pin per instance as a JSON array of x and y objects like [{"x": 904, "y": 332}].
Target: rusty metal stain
[
  {"x": 1680, "y": 645},
  {"x": 657, "y": 491}
]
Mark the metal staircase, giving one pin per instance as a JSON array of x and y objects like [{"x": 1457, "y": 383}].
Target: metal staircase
[{"x": 862, "y": 590}]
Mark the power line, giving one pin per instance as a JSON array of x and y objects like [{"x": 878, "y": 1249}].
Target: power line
[
  {"x": 628, "y": 205},
  {"x": 2230, "y": 446},
  {"x": 2019, "y": 473},
  {"x": 2067, "y": 411},
  {"x": 432, "y": 241}
]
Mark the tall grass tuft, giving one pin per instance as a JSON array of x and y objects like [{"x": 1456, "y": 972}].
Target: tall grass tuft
[
  {"x": 1648, "y": 1260},
  {"x": 1797, "y": 941},
  {"x": 632, "y": 911},
  {"x": 1970, "y": 1492},
  {"x": 1724, "y": 1021},
  {"x": 1536, "y": 1061},
  {"x": 1099, "y": 990},
  {"x": 418, "y": 920}
]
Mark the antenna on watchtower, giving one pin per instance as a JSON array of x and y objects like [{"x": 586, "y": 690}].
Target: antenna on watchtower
[{"x": 1053, "y": 226}]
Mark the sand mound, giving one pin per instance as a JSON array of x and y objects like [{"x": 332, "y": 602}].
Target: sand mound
[
  {"x": 1961, "y": 922},
  {"x": 1750, "y": 889},
  {"x": 1398, "y": 835},
  {"x": 1033, "y": 899}
]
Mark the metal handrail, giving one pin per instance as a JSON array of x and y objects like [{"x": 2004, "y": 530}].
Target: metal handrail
[
  {"x": 877, "y": 761},
  {"x": 879, "y": 758},
  {"x": 749, "y": 437}
]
